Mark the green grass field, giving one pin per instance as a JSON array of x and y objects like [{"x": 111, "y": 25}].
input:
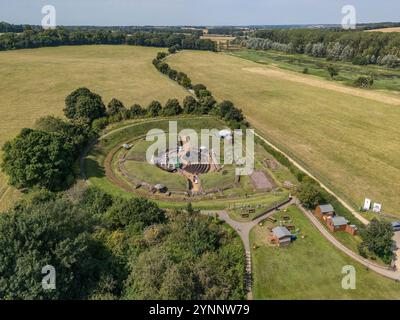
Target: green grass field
[
  {"x": 310, "y": 268},
  {"x": 147, "y": 172},
  {"x": 35, "y": 83},
  {"x": 347, "y": 140},
  {"x": 384, "y": 78}
]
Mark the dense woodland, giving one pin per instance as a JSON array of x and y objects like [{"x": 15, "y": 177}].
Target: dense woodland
[
  {"x": 358, "y": 47},
  {"x": 108, "y": 248}
]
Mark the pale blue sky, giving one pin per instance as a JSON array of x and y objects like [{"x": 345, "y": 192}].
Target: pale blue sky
[{"x": 197, "y": 12}]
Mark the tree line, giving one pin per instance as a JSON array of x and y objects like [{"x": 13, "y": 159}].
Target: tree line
[
  {"x": 358, "y": 47},
  {"x": 203, "y": 101},
  {"x": 36, "y": 38},
  {"x": 8, "y": 27}
]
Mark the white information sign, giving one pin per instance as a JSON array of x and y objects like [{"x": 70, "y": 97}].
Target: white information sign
[
  {"x": 367, "y": 204},
  {"x": 377, "y": 207}
]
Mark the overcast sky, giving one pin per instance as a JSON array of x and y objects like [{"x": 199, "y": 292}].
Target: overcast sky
[{"x": 197, "y": 12}]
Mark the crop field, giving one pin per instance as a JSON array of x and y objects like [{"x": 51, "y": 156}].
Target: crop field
[
  {"x": 395, "y": 29},
  {"x": 35, "y": 83},
  {"x": 310, "y": 268},
  {"x": 347, "y": 137}
]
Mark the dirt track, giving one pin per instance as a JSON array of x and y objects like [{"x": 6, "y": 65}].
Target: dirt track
[{"x": 323, "y": 84}]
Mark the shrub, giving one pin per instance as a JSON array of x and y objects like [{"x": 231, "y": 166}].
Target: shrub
[
  {"x": 161, "y": 56},
  {"x": 186, "y": 83},
  {"x": 364, "y": 82},
  {"x": 172, "y": 74},
  {"x": 333, "y": 71}
]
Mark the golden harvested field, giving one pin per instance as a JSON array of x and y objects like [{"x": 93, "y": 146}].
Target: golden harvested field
[
  {"x": 348, "y": 139},
  {"x": 395, "y": 29},
  {"x": 35, "y": 82},
  {"x": 218, "y": 38}
]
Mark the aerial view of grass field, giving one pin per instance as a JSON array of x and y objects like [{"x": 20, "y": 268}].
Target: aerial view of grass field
[
  {"x": 112, "y": 71},
  {"x": 346, "y": 136},
  {"x": 165, "y": 154}
]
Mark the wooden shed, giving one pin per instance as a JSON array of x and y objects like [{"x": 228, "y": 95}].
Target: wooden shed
[
  {"x": 324, "y": 211},
  {"x": 281, "y": 236}
]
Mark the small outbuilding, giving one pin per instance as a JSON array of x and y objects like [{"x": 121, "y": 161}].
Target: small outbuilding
[
  {"x": 324, "y": 211},
  {"x": 337, "y": 223},
  {"x": 225, "y": 134},
  {"x": 281, "y": 236},
  {"x": 126, "y": 146},
  {"x": 160, "y": 187},
  {"x": 352, "y": 229}
]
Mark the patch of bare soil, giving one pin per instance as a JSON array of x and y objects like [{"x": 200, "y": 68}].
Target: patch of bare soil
[{"x": 261, "y": 181}]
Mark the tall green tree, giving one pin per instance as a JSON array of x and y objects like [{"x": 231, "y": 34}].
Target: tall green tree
[
  {"x": 115, "y": 106},
  {"x": 154, "y": 109},
  {"x": 82, "y": 103},
  {"x": 52, "y": 233},
  {"x": 38, "y": 158},
  {"x": 136, "y": 111},
  {"x": 310, "y": 195},
  {"x": 378, "y": 239},
  {"x": 190, "y": 104},
  {"x": 172, "y": 108}
]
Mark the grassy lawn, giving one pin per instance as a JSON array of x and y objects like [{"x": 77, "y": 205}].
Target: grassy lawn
[
  {"x": 310, "y": 268},
  {"x": 221, "y": 179},
  {"x": 347, "y": 140},
  {"x": 36, "y": 82},
  {"x": 151, "y": 174}
]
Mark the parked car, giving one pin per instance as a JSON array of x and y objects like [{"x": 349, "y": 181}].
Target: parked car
[{"x": 396, "y": 226}]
